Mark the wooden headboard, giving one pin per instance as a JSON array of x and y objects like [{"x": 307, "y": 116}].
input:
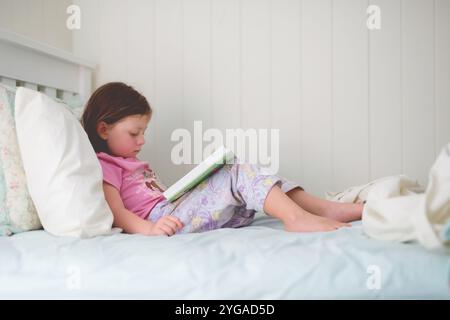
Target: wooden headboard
[{"x": 55, "y": 72}]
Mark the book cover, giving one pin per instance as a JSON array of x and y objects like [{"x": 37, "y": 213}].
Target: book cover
[{"x": 216, "y": 160}]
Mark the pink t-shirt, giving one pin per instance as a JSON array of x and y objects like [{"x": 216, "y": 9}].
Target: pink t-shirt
[{"x": 134, "y": 180}]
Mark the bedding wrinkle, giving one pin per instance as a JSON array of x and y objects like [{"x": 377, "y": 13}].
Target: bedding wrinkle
[{"x": 399, "y": 209}]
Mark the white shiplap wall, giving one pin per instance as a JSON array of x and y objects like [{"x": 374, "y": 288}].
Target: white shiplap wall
[
  {"x": 352, "y": 105},
  {"x": 39, "y": 20}
]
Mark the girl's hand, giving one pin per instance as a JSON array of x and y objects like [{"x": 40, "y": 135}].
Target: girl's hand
[{"x": 166, "y": 225}]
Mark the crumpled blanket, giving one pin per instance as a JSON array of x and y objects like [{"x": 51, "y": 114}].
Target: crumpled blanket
[{"x": 398, "y": 208}]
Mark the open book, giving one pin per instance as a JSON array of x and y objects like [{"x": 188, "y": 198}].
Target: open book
[{"x": 216, "y": 160}]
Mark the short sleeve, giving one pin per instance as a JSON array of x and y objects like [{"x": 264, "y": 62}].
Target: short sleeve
[{"x": 112, "y": 174}]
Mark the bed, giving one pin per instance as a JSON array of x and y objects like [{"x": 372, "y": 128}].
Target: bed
[{"x": 257, "y": 262}]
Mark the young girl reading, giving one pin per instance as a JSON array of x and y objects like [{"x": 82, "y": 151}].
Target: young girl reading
[{"x": 115, "y": 119}]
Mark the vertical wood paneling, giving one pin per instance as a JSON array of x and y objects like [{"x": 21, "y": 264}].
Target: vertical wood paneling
[
  {"x": 169, "y": 83},
  {"x": 27, "y": 17},
  {"x": 385, "y": 96},
  {"x": 316, "y": 70},
  {"x": 43, "y": 21},
  {"x": 54, "y": 19},
  {"x": 418, "y": 93},
  {"x": 6, "y": 16},
  {"x": 442, "y": 73},
  {"x": 350, "y": 103},
  {"x": 86, "y": 40},
  {"x": 40, "y": 20},
  {"x": 113, "y": 41},
  {"x": 196, "y": 69},
  {"x": 225, "y": 86},
  {"x": 142, "y": 75},
  {"x": 285, "y": 84},
  {"x": 255, "y": 67}
]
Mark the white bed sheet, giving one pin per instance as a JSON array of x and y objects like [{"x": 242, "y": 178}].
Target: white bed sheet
[{"x": 257, "y": 262}]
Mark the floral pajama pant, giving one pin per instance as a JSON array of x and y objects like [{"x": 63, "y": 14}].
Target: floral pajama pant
[{"x": 228, "y": 198}]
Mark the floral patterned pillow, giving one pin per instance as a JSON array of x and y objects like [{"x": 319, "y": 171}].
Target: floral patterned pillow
[{"x": 17, "y": 211}]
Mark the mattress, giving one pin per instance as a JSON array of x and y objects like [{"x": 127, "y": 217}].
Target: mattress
[{"x": 257, "y": 262}]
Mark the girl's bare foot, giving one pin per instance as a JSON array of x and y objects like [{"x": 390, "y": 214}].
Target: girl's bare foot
[
  {"x": 344, "y": 212},
  {"x": 296, "y": 218},
  {"x": 307, "y": 222}
]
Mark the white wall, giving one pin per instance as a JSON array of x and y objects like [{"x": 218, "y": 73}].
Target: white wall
[
  {"x": 40, "y": 20},
  {"x": 352, "y": 105}
]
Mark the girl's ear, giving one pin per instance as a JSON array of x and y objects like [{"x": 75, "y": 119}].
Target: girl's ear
[{"x": 102, "y": 130}]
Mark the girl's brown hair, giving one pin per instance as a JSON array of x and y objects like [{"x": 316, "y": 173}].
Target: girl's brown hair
[{"x": 110, "y": 103}]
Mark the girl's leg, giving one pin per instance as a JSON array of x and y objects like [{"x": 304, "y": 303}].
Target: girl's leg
[
  {"x": 262, "y": 192},
  {"x": 294, "y": 217},
  {"x": 344, "y": 212},
  {"x": 214, "y": 203}
]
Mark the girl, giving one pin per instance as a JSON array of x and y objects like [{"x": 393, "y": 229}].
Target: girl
[{"x": 115, "y": 119}]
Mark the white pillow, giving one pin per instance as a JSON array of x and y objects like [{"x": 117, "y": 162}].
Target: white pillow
[{"x": 63, "y": 173}]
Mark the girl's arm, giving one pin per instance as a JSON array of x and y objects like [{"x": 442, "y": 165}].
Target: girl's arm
[
  {"x": 131, "y": 223},
  {"x": 123, "y": 218}
]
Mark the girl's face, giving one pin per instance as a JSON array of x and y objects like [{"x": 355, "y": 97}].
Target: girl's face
[{"x": 125, "y": 138}]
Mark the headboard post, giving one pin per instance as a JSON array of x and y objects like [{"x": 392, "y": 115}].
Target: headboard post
[{"x": 85, "y": 84}]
